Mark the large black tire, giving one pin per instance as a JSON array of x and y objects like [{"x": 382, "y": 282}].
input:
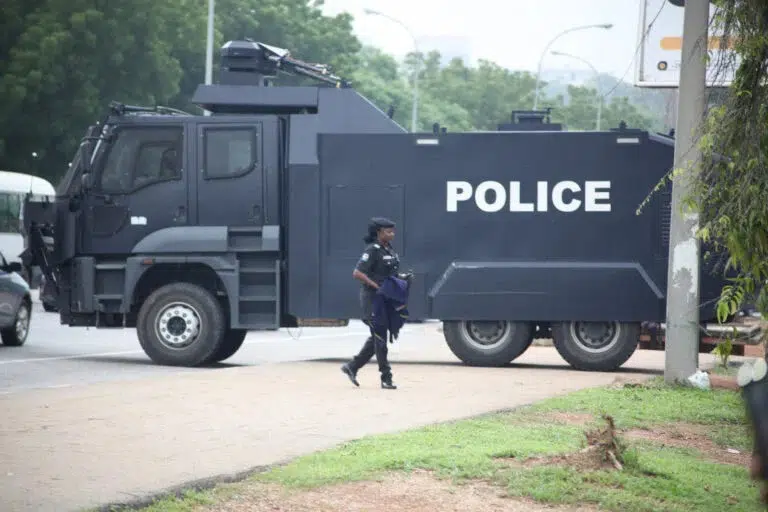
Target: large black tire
[
  {"x": 596, "y": 346},
  {"x": 181, "y": 324},
  {"x": 488, "y": 343},
  {"x": 16, "y": 335},
  {"x": 233, "y": 340}
]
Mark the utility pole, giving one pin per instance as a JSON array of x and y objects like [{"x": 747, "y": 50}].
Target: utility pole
[{"x": 682, "y": 330}]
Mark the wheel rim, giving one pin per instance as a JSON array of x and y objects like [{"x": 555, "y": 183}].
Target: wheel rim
[
  {"x": 177, "y": 326},
  {"x": 22, "y": 323},
  {"x": 595, "y": 337},
  {"x": 486, "y": 335}
]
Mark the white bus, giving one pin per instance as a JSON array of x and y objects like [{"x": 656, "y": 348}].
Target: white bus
[{"x": 14, "y": 188}]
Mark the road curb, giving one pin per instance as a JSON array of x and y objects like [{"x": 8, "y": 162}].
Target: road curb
[{"x": 178, "y": 491}]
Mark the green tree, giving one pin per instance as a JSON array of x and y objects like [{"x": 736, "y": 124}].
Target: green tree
[
  {"x": 621, "y": 109},
  {"x": 379, "y": 80},
  {"x": 580, "y": 111},
  {"x": 296, "y": 25},
  {"x": 730, "y": 188},
  {"x": 71, "y": 57},
  {"x": 65, "y": 60},
  {"x": 488, "y": 92}
]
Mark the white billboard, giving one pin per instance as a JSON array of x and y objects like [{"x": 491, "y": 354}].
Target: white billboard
[{"x": 661, "y": 41}]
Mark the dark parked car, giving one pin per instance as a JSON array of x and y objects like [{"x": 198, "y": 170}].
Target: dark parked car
[{"x": 15, "y": 304}]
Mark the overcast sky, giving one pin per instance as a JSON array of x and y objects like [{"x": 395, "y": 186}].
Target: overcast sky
[{"x": 512, "y": 33}]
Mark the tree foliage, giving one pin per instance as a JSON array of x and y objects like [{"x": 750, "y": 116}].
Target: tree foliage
[
  {"x": 63, "y": 61},
  {"x": 730, "y": 190}
]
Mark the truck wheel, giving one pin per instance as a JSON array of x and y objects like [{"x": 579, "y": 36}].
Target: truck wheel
[
  {"x": 488, "y": 343},
  {"x": 180, "y": 324},
  {"x": 16, "y": 335},
  {"x": 596, "y": 346},
  {"x": 233, "y": 340}
]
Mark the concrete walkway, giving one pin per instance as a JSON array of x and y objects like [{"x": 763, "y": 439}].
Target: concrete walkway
[{"x": 66, "y": 449}]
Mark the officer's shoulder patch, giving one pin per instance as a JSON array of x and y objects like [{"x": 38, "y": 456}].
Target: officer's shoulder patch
[{"x": 364, "y": 257}]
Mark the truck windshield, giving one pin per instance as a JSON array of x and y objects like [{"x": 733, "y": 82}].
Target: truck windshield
[{"x": 71, "y": 178}]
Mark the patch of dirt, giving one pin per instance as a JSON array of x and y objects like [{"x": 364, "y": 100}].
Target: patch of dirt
[
  {"x": 683, "y": 435},
  {"x": 602, "y": 442},
  {"x": 418, "y": 491},
  {"x": 603, "y": 450},
  {"x": 583, "y": 461}
]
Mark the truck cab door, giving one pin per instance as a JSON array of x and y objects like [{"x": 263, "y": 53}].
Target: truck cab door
[
  {"x": 234, "y": 162},
  {"x": 140, "y": 186}
]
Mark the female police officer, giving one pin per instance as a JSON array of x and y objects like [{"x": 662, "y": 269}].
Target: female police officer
[{"x": 378, "y": 262}]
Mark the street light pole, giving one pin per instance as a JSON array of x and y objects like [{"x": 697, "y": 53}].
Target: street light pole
[
  {"x": 209, "y": 49},
  {"x": 415, "y": 103},
  {"x": 597, "y": 82},
  {"x": 605, "y": 26}
]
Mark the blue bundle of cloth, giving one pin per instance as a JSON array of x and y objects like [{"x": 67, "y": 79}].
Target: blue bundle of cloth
[{"x": 390, "y": 308}]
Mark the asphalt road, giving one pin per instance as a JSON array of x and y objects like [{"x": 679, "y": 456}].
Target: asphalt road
[{"x": 59, "y": 356}]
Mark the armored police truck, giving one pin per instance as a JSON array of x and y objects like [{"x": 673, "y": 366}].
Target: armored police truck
[{"x": 196, "y": 229}]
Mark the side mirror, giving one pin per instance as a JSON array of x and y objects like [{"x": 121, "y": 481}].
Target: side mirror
[
  {"x": 87, "y": 181},
  {"x": 85, "y": 157},
  {"x": 14, "y": 266}
]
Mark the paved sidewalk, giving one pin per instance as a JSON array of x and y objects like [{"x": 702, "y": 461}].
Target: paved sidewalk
[{"x": 66, "y": 449}]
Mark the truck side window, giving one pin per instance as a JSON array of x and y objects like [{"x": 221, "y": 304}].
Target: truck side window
[
  {"x": 230, "y": 152},
  {"x": 141, "y": 156}
]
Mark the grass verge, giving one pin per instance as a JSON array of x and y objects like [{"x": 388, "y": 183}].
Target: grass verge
[{"x": 683, "y": 464}]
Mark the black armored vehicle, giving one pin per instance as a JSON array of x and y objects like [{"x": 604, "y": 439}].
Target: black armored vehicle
[{"x": 196, "y": 229}]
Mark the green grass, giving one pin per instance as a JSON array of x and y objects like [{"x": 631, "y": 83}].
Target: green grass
[
  {"x": 678, "y": 481},
  {"x": 464, "y": 449},
  {"x": 656, "y": 403},
  {"x": 654, "y": 478},
  {"x": 189, "y": 501}
]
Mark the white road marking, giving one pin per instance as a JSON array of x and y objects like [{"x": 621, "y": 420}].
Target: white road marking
[
  {"x": 138, "y": 352},
  {"x": 64, "y": 358}
]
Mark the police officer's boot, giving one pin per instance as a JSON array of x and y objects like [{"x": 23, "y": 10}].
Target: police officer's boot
[
  {"x": 386, "y": 383},
  {"x": 349, "y": 372}
]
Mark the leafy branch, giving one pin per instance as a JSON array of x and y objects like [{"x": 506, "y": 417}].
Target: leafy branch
[{"x": 729, "y": 189}]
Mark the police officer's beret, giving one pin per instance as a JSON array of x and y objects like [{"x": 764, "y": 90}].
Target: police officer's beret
[{"x": 382, "y": 222}]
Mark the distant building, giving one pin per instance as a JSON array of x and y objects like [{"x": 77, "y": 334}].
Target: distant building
[{"x": 449, "y": 46}]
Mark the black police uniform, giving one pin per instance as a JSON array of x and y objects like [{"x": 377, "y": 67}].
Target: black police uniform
[{"x": 377, "y": 262}]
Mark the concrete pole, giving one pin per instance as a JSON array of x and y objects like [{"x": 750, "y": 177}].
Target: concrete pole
[
  {"x": 209, "y": 49},
  {"x": 682, "y": 330}
]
